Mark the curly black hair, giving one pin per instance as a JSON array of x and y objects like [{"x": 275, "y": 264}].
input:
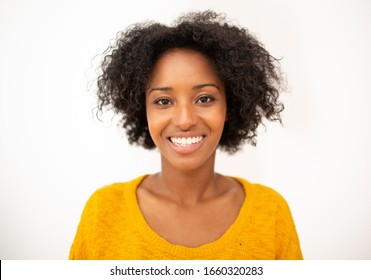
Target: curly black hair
[{"x": 251, "y": 76}]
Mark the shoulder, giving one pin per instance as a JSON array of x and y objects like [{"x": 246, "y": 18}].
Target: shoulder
[
  {"x": 118, "y": 188},
  {"x": 259, "y": 192},
  {"x": 269, "y": 211},
  {"x": 114, "y": 195},
  {"x": 104, "y": 215},
  {"x": 265, "y": 201}
]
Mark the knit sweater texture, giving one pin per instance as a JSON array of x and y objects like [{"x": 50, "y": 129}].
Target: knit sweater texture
[{"x": 112, "y": 227}]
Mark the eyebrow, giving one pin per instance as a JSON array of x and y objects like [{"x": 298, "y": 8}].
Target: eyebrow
[
  {"x": 200, "y": 86},
  {"x": 206, "y": 85},
  {"x": 160, "y": 89}
]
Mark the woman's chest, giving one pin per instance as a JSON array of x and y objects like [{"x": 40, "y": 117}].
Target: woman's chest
[{"x": 191, "y": 226}]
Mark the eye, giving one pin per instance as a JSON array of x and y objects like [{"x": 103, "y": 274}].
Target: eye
[
  {"x": 163, "y": 102},
  {"x": 205, "y": 99}
]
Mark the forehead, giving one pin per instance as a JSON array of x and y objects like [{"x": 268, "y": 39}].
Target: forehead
[{"x": 184, "y": 63}]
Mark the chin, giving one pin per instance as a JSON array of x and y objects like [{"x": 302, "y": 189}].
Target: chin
[{"x": 190, "y": 164}]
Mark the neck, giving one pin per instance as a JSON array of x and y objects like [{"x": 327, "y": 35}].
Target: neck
[{"x": 187, "y": 186}]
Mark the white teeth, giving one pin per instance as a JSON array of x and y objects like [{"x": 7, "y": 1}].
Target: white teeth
[{"x": 186, "y": 141}]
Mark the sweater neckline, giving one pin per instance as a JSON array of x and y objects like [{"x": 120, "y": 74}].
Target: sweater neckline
[{"x": 160, "y": 243}]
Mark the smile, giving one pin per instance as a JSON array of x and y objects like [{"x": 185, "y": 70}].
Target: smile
[{"x": 186, "y": 141}]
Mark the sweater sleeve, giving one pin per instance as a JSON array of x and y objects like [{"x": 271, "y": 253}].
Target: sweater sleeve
[
  {"x": 287, "y": 240},
  {"x": 83, "y": 244}
]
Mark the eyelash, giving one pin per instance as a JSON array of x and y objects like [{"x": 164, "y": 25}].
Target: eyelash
[
  {"x": 158, "y": 101},
  {"x": 209, "y": 99}
]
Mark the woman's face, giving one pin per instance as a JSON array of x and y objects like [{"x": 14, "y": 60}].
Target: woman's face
[{"x": 186, "y": 109}]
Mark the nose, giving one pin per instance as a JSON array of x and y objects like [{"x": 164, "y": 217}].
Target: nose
[{"x": 185, "y": 116}]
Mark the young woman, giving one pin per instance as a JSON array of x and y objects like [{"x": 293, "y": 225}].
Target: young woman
[{"x": 187, "y": 90}]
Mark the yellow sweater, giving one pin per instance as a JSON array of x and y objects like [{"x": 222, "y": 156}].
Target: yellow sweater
[{"x": 113, "y": 227}]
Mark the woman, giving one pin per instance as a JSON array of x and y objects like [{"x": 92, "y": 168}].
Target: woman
[{"x": 187, "y": 90}]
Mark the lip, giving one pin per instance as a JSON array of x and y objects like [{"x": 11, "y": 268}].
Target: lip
[{"x": 188, "y": 149}]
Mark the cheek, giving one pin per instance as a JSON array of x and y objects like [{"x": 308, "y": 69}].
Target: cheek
[
  {"x": 218, "y": 125},
  {"x": 150, "y": 122},
  {"x": 151, "y": 125},
  {"x": 217, "y": 118},
  {"x": 155, "y": 125}
]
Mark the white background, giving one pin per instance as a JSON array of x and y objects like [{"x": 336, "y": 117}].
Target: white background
[{"x": 54, "y": 153}]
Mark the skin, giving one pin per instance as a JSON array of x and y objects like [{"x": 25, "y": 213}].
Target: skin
[{"x": 186, "y": 97}]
